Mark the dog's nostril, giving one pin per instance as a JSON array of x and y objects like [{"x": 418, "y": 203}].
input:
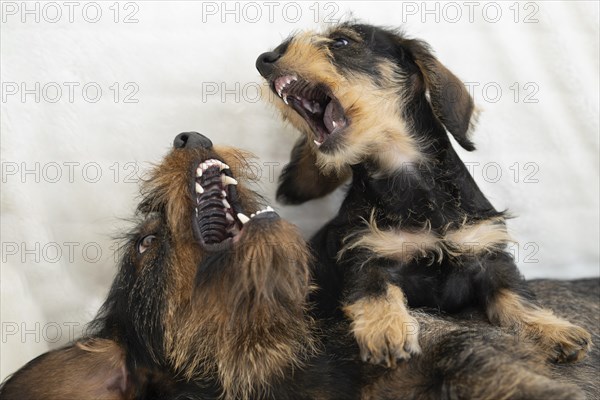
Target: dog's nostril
[
  {"x": 270, "y": 57},
  {"x": 190, "y": 140},
  {"x": 264, "y": 62}
]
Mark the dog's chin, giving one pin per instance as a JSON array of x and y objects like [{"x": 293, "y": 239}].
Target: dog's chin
[
  {"x": 219, "y": 219},
  {"x": 317, "y": 105}
]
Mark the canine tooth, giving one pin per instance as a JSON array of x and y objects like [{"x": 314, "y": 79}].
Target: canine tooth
[
  {"x": 243, "y": 219},
  {"x": 224, "y": 166},
  {"x": 199, "y": 188},
  {"x": 318, "y": 143},
  {"x": 227, "y": 180},
  {"x": 228, "y": 217},
  {"x": 223, "y": 193},
  {"x": 285, "y": 99},
  {"x": 333, "y": 123},
  {"x": 198, "y": 172},
  {"x": 226, "y": 204}
]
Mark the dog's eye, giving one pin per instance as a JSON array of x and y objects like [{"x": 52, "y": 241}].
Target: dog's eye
[
  {"x": 339, "y": 42},
  {"x": 145, "y": 243}
]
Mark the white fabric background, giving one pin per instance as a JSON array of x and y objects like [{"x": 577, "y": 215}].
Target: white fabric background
[{"x": 176, "y": 54}]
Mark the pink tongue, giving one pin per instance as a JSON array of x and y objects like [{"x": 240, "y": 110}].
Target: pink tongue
[{"x": 333, "y": 112}]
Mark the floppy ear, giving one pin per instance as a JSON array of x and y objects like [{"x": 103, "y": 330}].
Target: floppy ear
[
  {"x": 449, "y": 99},
  {"x": 92, "y": 369},
  {"x": 302, "y": 180}
]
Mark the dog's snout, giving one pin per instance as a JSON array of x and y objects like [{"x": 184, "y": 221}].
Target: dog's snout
[
  {"x": 189, "y": 140},
  {"x": 264, "y": 62}
]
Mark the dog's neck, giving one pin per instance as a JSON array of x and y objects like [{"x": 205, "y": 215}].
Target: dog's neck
[
  {"x": 256, "y": 350},
  {"x": 248, "y": 327},
  {"x": 437, "y": 191}
]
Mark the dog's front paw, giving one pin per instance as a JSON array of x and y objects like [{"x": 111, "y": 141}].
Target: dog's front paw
[
  {"x": 384, "y": 329},
  {"x": 559, "y": 339},
  {"x": 563, "y": 341}
]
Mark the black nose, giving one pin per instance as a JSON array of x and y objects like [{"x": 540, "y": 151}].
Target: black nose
[
  {"x": 264, "y": 62},
  {"x": 189, "y": 140}
]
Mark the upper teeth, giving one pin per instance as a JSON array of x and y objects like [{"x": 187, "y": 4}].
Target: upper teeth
[
  {"x": 281, "y": 83},
  {"x": 209, "y": 163}
]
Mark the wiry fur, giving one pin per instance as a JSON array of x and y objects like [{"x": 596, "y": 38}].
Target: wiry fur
[
  {"x": 248, "y": 322},
  {"x": 431, "y": 233}
]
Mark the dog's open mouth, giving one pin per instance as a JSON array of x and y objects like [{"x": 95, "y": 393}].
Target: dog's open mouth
[
  {"x": 218, "y": 216},
  {"x": 315, "y": 103}
]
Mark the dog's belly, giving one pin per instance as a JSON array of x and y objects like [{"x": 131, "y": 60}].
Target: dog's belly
[{"x": 442, "y": 286}]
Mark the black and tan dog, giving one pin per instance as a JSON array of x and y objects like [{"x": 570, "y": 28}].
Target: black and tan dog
[
  {"x": 209, "y": 304},
  {"x": 414, "y": 227}
]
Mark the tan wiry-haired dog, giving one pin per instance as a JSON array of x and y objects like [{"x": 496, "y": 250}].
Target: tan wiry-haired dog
[{"x": 414, "y": 229}]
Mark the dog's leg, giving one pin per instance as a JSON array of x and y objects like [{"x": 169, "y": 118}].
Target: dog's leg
[
  {"x": 302, "y": 180},
  {"x": 560, "y": 339},
  {"x": 510, "y": 303},
  {"x": 382, "y": 325}
]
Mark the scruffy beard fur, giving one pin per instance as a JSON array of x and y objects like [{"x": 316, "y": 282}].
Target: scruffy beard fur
[
  {"x": 376, "y": 105},
  {"x": 248, "y": 324},
  {"x": 183, "y": 322}
]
